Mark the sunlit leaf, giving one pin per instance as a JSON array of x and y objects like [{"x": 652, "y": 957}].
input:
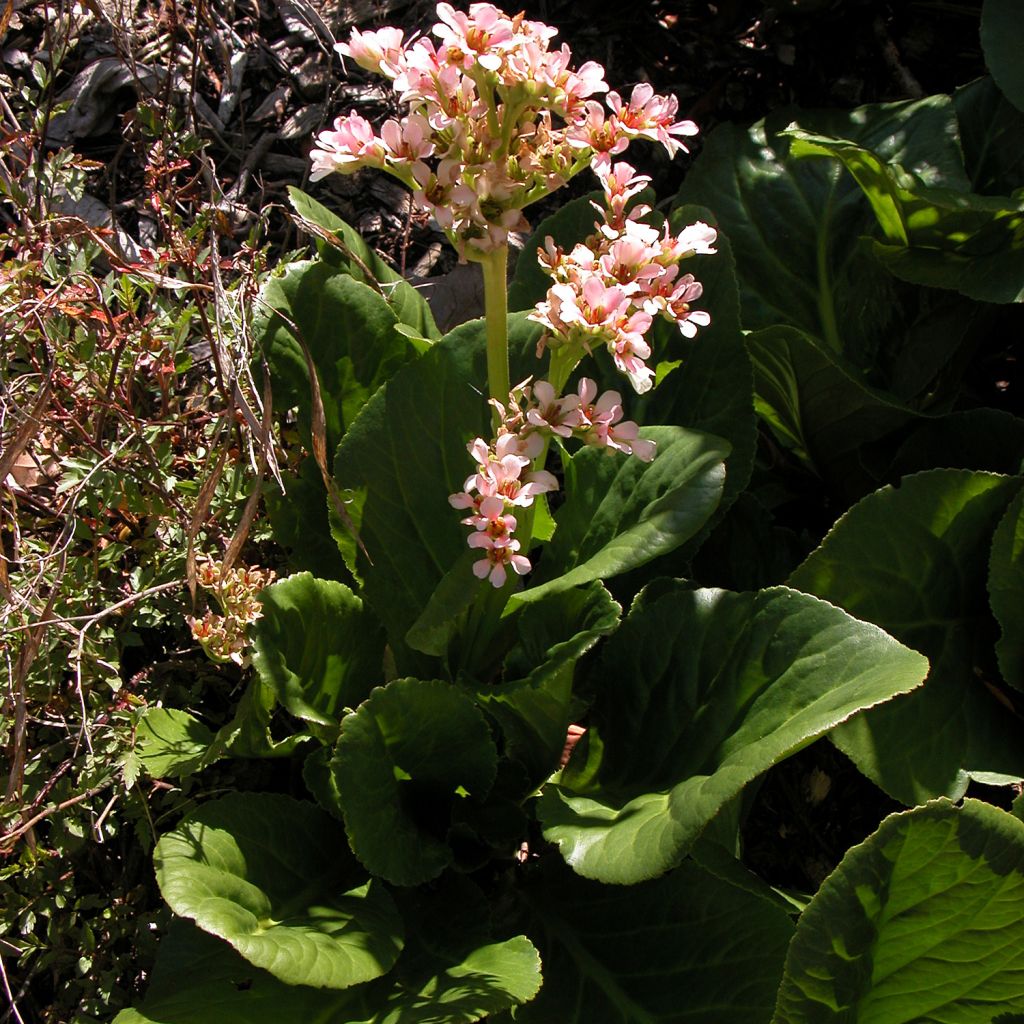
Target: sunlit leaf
[
  {"x": 275, "y": 879},
  {"x": 922, "y": 922}
]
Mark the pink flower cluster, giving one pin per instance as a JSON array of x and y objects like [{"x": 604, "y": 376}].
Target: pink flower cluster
[
  {"x": 499, "y": 485},
  {"x": 497, "y": 119},
  {"x": 609, "y": 289}
]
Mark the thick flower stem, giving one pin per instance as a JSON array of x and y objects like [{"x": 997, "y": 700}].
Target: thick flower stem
[{"x": 495, "y": 268}]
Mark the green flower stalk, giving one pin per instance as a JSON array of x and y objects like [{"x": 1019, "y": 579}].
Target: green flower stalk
[{"x": 498, "y": 119}]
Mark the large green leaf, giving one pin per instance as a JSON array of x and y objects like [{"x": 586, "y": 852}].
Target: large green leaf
[
  {"x": 794, "y": 224},
  {"x": 344, "y": 247},
  {"x": 944, "y": 236},
  {"x": 318, "y": 647},
  {"x": 349, "y": 330},
  {"x": 442, "y": 977},
  {"x": 912, "y": 560},
  {"x": 1006, "y": 591},
  {"x": 621, "y": 513},
  {"x": 992, "y": 134},
  {"x": 713, "y": 389},
  {"x": 722, "y": 686},
  {"x": 922, "y": 922},
  {"x": 402, "y": 458},
  {"x": 248, "y": 733},
  {"x": 274, "y": 878},
  {"x": 1002, "y": 39},
  {"x": 533, "y": 708},
  {"x": 403, "y": 759},
  {"x": 684, "y": 949},
  {"x": 814, "y": 401}
]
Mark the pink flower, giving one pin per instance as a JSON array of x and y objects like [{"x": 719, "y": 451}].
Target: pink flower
[
  {"x": 349, "y": 146},
  {"x": 477, "y": 38},
  {"x": 693, "y": 239},
  {"x": 407, "y": 140},
  {"x": 601, "y": 424},
  {"x": 651, "y": 116},
  {"x": 596, "y": 132},
  {"x": 497, "y": 558},
  {"x": 379, "y": 51},
  {"x": 557, "y": 415}
]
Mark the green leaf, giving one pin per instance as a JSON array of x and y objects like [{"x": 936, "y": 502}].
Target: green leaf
[
  {"x": 533, "y": 711},
  {"x": 437, "y": 980},
  {"x": 172, "y": 742},
  {"x": 317, "y": 647},
  {"x": 400, "y": 760},
  {"x": 403, "y": 457},
  {"x": 274, "y": 878},
  {"x": 722, "y": 686},
  {"x": 912, "y": 560},
  {"x": 987, "y": 439},
  {"x": 620, "y": 513},
  {"x": 942, "y": 237},
  {"x": 349, "y": 330},
  {"x": 713, "y": 390},
  {"x": 815, "y": 402},
  {"x": 349, "y": 250},
  {"x": 685, "y": 949},
  {"x": 992, "y": 133},
  {"x": 1006, "y": 591},
  {"x": 456, "y": 592},
  {"x": 922, "y": 922},
  {"x": 248, "y": 733},
  {"x": 1002, "y": 39},
  {"x": 794, "y": 224}
]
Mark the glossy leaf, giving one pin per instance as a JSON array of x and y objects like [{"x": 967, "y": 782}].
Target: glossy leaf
[
  {"x": 532, "y": 708},
  {"x": 713, "y": 389},
  {"x": 943, "y": 237},
  {"x": 814, "y": 401},
  {"x": 200, "y": 980},
  {"x": 348, "y": 249},
  {"x": 986, "y": 439},
  {"x": 794, "y": 224},
  {"x": 274, "y": 878},
  {"x": 318, "y": 647},
  {"x": 621, "y": 513},
  {"x": 300, "y": 522},
  {"x": 684, "y": 949},
  {"x": 912, "y": 560},
  {"x": 723, "y": 686},
  {"x": 401, "y": 460},
  {"x": 1006, "y": 591},
  {"x": 924, "y": 921},
  {"x": 403, "y": 759},
  {"x": 350, "y": 332},
  {"x": 248, "y": 733},
  {"x": 992, "y": 134}
]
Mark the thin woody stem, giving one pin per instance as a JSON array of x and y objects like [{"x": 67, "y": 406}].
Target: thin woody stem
[{"x": 494, "y": 266}]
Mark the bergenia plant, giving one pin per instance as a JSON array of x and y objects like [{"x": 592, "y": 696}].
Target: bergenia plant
[
  {"x": 508, "y": 798},
  {"x": 498, "y": 119}
]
